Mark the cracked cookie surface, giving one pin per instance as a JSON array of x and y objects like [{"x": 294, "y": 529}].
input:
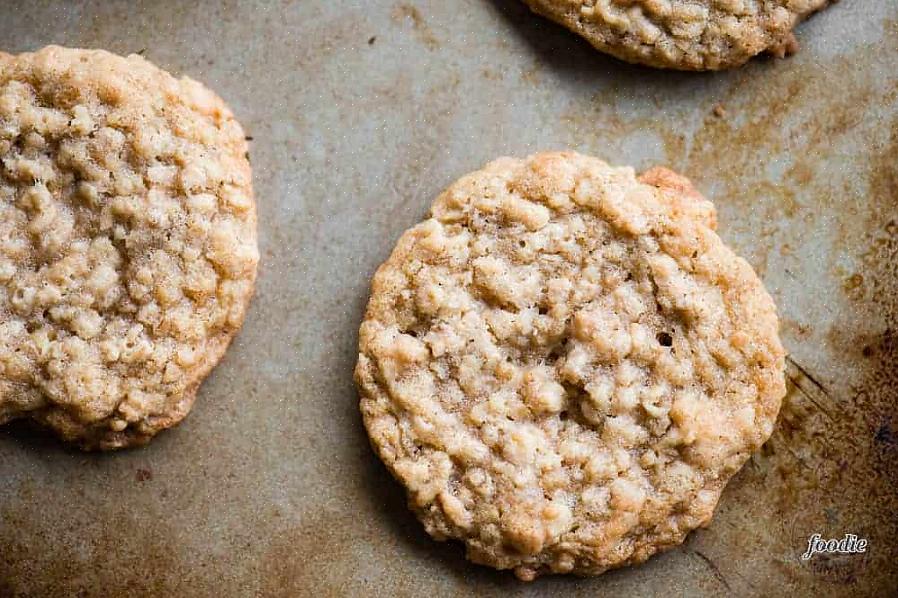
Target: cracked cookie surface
[
  {"x": 564, "y": 364},
  {"x": 127, "y": 243},
  {"x": 683, "y": 34}
]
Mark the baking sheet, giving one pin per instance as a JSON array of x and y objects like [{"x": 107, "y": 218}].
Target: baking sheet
[{"x": 360, "y": 113}]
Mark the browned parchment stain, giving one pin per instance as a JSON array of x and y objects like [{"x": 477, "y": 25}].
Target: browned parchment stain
[
  {"x": 309, "y": 558},
  {"x": 877, "y": 353},
  {"x": 790, "y": 126},
  {"x": 404, "y": 12},
  {"x": 305, "y": 556},
  {"x": 144, "y": 564},
  {"x": 833, "y": 457}
]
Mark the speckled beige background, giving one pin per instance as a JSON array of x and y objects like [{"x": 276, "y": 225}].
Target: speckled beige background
[{"x": 360, "y": 113}]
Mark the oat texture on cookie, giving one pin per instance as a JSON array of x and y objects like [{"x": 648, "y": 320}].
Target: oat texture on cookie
[
  {"x": 564, "y": 364},
  {"x": 127, "y": 242},
  {"x": 683, "y": 34}
]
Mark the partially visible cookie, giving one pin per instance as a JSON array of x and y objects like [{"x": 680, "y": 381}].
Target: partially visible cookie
[
  {"x": 127, "y": 243},
  {"x": 564, "y": 364},
  {"x": 683, "y": 34}
]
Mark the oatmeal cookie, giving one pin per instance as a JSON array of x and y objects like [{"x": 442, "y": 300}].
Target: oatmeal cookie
[
  {"x": 564, "y": 364},
  {"x": 683, "y": 34},
  {"x": 127, "y": 243}
]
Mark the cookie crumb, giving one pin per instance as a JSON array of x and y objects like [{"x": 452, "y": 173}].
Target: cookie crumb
[
  {"x": 719, "y": 111},
  {"x": 143, "y": 475},
  {"x": 788, "y": 47}
]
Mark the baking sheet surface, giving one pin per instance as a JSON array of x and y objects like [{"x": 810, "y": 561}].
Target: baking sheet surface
[{"x": 360, "y": 113}]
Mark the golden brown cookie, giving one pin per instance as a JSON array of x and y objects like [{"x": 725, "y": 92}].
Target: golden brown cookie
[
  {"x": 683, "y": 34},
  {"x": 127, "y": 243},
  {"x": 564, "y": 364}
]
